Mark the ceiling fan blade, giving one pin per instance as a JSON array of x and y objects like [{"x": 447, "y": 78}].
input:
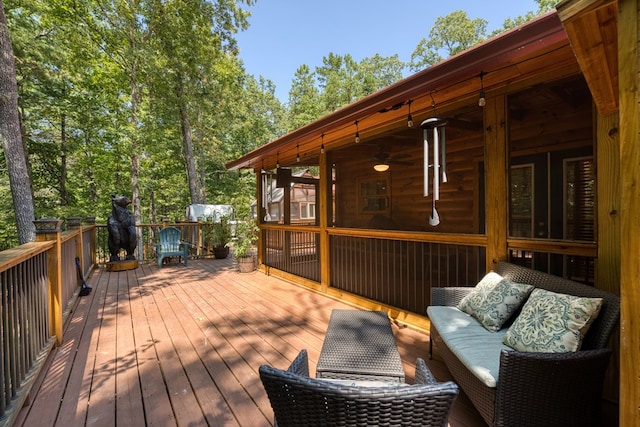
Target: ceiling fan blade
[
  {"x": 400, "y": 162},
  {"x": 400, "y": 156}
]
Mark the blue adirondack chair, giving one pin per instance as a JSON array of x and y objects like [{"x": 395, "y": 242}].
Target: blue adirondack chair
[{"x": 171, "y": 245}]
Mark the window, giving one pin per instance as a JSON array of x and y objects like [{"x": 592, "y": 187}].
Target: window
[
  {"x": 373, "y": 196},
  {"x": 579, "y": 201},
  {"x": 307, "y": 210},
  {"x": 521, "y": 207}
]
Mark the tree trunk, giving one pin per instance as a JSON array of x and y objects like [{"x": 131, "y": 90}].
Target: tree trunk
[
  {"x": 64, "y": 194},
  {"x": 14, "y": 152},
  {"x": 187, "y": 149},
  {"x": 135, "y": 160}
]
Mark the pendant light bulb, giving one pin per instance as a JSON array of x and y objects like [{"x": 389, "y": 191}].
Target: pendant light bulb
[
  {"x": 482, "y": 101},
  {"x": 357, "y": 133},
  {"x": 409, "y": 117}
]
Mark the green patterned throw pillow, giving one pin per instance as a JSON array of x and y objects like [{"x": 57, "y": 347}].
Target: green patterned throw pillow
[
  {"x": 552, "y": 322},
  {"x": 493, "y": 300}
]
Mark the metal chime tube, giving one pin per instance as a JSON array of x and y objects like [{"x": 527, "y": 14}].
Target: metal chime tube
[
  {"x": 443, "y": 151},
  {"x": 426, "y": 162},
  {"x": 436, "y": 164}
]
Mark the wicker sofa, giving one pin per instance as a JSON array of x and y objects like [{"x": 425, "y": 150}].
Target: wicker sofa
[{"x": 526, "y": 388}]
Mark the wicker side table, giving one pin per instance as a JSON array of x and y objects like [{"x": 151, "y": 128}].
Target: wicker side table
[{"x": 359, "y": 345}]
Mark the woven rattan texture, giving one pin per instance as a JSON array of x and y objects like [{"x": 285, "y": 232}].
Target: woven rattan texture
[
  {"x": 540, "y": 389},
  {"x": 359, "y": 345},
  {"x": 298, "y": 400}
]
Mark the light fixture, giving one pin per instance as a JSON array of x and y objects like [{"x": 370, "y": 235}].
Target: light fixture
[
  {"x": 482, "y": 101},
  {"x": 409, "y": 118},
  {"x": 278, "y": 160},
  {"x": 298, "y": 153},
  {"x": 322, "y": 145},
  {"x": 357, "y": 133},
  {"x": 381, "y": 167}
]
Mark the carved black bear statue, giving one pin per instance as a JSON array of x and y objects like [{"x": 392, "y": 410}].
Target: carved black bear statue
[{"x": 122, "y": 229}]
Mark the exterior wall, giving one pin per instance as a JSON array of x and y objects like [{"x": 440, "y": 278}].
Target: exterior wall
[{"x": 408, "y": 208}]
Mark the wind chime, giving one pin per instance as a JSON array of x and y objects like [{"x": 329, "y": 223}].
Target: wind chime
[{"x": 436, "y": 127}]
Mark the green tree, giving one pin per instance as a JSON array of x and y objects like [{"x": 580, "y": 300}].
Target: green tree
[
  {"x": 337, "y": 78},
  {"x": 449, "y": 35},
  {"x": 195, "y": 42},
  {"x": 305, "y": 103},
  {"x": 544, "y": 6},
  {"x": 378, "y": 71}
]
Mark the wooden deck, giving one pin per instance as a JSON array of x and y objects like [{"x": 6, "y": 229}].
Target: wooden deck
[{"x": 182, "y": 345}]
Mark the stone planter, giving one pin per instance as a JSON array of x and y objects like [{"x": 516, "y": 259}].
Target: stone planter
[{"x": 246, "y": 264}]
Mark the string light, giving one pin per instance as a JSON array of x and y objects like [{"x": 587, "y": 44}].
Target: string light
[
  {"x": 482, "y": 100},
  {"x": 278, "y": 160},
  {"x": 409, "y": 118},
  {"x": 298, "y": 153},
  {"x": 322, "y": 145},
  {"x": 357, "y": 133}
]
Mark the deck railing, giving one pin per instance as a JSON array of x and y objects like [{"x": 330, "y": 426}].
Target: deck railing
[
  {"x": 397, "y": 269},
  {"x": 293, "y": 251},
  {"x": 401, "y": 273},
  {"x": 195, "y": 233},
  {"x": 39, "y": 284}
]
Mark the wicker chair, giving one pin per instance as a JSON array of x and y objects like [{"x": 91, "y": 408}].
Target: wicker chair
[{"x": 298, "y": 400}]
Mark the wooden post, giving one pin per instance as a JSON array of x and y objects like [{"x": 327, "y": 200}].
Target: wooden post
[
  {"x": 324, "y": 209},
  {"x": 48, "y": 229},
  {"x": 608, "y": 191},
  {"x": 496, "y": 167},
  {"x": 628, "y": 70},
  {"x": 260, "y": 214},
  {"x": 91, "y": 222},
  {"x": 200, "y": 237},
  {"x": 75, "y": 223}
]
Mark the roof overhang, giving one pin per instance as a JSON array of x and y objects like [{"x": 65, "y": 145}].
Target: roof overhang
[
  {"x": 538, "y": 47},
  {"x": 592, "y": 28}
]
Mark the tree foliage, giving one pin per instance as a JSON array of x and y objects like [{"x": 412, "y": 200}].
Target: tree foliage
[
  {"x": 449, "y": 35},
  {"x": 149, "y": 99}
]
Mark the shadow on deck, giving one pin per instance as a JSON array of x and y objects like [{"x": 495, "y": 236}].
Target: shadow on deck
[{"x": 182, "y": 346}]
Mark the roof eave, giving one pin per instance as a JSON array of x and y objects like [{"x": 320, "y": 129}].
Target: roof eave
[{"x": 504, "y": 49}]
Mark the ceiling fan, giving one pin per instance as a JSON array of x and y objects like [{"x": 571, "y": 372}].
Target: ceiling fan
[{"x": 383, "y": 160}]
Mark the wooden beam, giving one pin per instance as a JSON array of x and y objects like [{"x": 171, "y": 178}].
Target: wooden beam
[
  {"x": 628, "y": 57},
  {"x": 608, "y": 202},
  {"x": 591, "y": 27},
  {"x": 496, "y": 180},
  {"x": 324, "y": 209},
  {"x": 569, "y": 9}
]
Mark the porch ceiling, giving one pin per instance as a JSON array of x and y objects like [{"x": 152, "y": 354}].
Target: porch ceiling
[
  {"x": 530, "y": 54},
  {"x": 592, "y": 29}
]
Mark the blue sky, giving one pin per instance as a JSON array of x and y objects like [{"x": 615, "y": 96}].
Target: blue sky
[{"x": 285, "y": 34}]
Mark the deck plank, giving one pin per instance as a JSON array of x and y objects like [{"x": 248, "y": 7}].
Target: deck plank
[
  {"x": 181, "y": 345},
  {"x": 128, "y": 394}
]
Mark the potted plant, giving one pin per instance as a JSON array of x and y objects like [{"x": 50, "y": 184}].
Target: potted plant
[
  {"x": 221, "y": 236},
  {"x": 245, "y": 239}
]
